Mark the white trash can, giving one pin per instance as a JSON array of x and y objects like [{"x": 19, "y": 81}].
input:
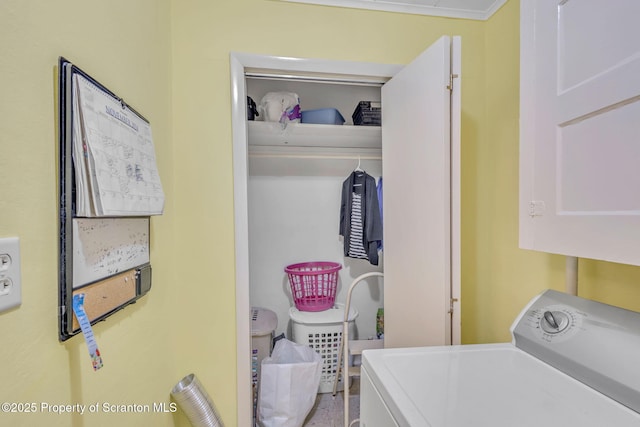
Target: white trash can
[
  {"x": 322, "y": 331},
  {"x": 263, "y": 325}
]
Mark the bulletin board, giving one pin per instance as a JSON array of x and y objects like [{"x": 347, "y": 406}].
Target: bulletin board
[{"x": 109, "y": 187}]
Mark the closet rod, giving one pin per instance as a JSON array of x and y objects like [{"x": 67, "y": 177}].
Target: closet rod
[{"x": 314, "y": 156}]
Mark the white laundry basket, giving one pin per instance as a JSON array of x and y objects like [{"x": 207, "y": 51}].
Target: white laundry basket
[{"x": 322, "y": 331}]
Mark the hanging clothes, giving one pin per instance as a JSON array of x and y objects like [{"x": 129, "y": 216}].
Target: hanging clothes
[
  {"x": 379, "y": 192},
  {"x": 360, "y": 223}
]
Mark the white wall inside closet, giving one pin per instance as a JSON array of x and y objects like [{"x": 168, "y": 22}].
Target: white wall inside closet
[{"x": 295, "y": 219}]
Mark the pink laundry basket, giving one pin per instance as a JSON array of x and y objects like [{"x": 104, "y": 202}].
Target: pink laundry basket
[{"x": 313, "y": 284}]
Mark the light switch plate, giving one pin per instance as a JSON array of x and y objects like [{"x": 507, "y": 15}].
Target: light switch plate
[{"x": 10, "y": 278}]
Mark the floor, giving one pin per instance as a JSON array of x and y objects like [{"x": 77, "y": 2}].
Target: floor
[{"x": 328, "y": 410}]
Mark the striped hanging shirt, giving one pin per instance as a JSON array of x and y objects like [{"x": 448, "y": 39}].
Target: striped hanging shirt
[{"x": 356, "y": 247}]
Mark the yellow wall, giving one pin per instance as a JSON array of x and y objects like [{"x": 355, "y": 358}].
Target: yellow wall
[
  {"x": 125, "y": 45},
  {"x": 170, "y": 60},
  {"x": 498, "y": 278}
]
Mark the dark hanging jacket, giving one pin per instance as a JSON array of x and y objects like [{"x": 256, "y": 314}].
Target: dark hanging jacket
[{"x": 365, "y": 185}]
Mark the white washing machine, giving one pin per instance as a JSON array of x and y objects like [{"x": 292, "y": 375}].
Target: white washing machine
[{"x": 572, "y": 362}]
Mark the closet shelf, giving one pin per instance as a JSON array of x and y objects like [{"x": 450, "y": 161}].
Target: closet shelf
[{"x": 325, "y": 137}]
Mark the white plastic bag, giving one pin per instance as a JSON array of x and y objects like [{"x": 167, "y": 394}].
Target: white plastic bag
[
  {"x": 280, "y": 107},
  {"x": 289, "y": 382}
]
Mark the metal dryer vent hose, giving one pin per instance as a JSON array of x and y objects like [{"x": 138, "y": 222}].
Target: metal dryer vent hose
[{"x": 193, "y": 399}]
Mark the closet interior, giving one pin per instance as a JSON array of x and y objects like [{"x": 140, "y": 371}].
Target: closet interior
[{"x": 295, "y": 177}]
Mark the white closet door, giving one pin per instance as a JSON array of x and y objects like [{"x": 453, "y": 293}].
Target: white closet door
[
  {"x": 580, "y": 128},
  {"x": 416, "y": 130}
]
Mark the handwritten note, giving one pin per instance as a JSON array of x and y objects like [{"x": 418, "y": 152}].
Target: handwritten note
[
  {"x": 114, "y": 157},
  {"x": 103, "y": 247}
]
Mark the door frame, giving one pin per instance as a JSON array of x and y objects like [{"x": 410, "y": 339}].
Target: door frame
[{"x": 239, "y": 63}]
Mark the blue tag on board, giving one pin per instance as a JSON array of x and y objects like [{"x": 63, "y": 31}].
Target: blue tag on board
[{"x": 85, "y": 326}]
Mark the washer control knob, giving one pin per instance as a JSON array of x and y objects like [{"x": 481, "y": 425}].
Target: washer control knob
[{"x": 553, "y": 322}]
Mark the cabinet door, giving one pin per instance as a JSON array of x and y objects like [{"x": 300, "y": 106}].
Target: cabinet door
[
  {"x": 418, "y": 224},
  {"x": 580, "y": 129}
]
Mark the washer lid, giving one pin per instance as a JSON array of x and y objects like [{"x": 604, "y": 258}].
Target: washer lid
[{"x": 494, "y": 385}]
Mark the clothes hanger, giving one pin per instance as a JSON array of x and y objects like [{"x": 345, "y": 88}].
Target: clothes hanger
[{"x": 358, "y": 168}]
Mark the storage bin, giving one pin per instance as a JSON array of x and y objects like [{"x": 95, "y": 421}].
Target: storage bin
[
  {"x": 323, "y": 116},
  {"x": 322, "y": 331},
  {"x": 263, "y": 325},
  {"x": 367, "y": 113},
  {"x": 313, "y": 284}
]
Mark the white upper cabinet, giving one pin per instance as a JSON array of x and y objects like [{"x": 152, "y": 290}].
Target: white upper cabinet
[{"x": 580, "y": 128}]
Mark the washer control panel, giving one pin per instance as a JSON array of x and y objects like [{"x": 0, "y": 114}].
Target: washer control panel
[
  {"x": 553, "y": 323},
  {"x": 593, "y": 342}
]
